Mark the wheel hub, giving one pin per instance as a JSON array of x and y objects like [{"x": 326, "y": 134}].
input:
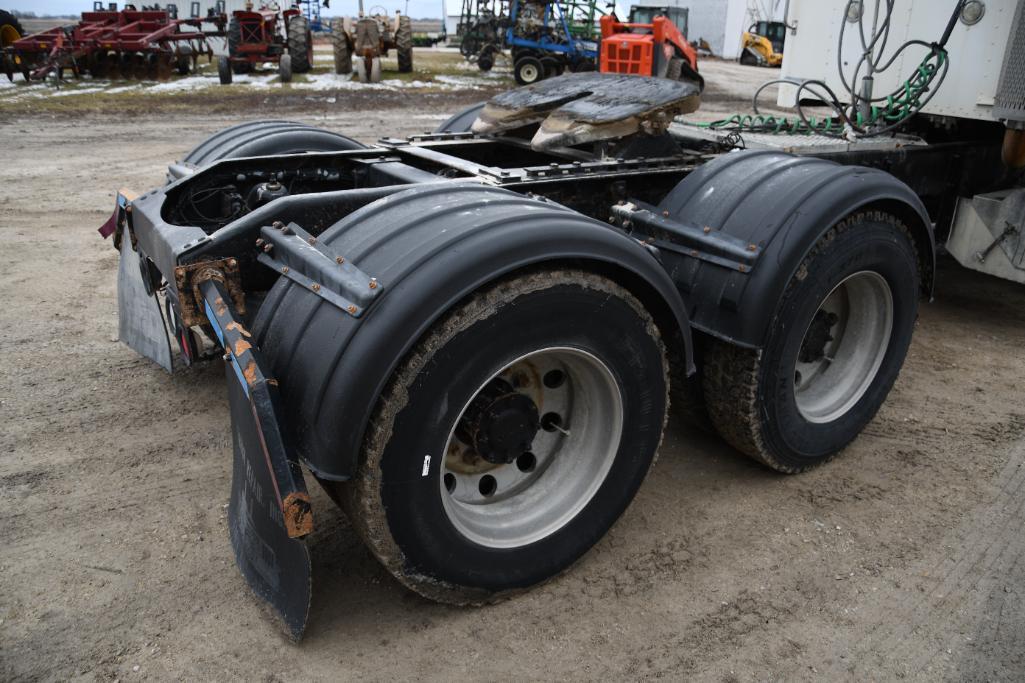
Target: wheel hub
[
  {"x": 819, "y": 334},
  {"x": 500, "y": 424}
]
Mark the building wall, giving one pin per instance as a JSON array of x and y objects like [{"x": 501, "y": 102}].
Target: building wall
[{"x": 720, "y": 22}]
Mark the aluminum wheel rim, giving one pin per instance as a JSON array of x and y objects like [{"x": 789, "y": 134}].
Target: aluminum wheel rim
[
  {"x": 571, "y": 461},
  {"x": 529, "y": 73},
  {"x": 826, "y": 388}
]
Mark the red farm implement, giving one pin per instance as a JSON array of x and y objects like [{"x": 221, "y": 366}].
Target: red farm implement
[{"x": 106, "y": 43}]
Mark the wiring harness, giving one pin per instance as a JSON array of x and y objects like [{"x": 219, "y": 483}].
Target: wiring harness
[{"x": 866, "y": 115}]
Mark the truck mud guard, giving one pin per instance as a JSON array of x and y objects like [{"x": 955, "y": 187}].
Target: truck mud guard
[
  {"x": 269, "y": 514},
  {"x": 778, "y": 205}
]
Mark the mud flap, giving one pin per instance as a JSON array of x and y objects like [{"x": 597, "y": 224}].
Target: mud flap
[
  {"x": 269, "y": 513},
  {"x": 140, "y": 322}
]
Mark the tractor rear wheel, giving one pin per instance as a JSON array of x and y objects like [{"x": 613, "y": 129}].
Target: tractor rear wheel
[
  {"x": 404, "y": 44},
  {"x": 234, "y": 41},
  {"x": 835, "y": 348},
  {"x": 528, "y": 70},
  {"x": 224, "y": 70},
  {"x": 556, "y": 398},
  {"x": 300, "y": 45},
  {"x": 342, "y": 48}
]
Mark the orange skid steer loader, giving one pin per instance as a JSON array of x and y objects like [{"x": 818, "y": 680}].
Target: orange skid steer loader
[{"x": 654, "y": 48}]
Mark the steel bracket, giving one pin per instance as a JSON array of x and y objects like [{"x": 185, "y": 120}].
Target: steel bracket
[
  {"x": 705, "y": 244},
  {"x": 302, "y": 258}
]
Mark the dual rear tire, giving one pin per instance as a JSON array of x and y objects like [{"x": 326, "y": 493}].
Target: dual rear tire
[
  {"x": 834, "y": 350},
  {"x": 555, "y": 400}
]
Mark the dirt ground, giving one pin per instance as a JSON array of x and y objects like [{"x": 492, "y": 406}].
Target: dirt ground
[{"x": 904, "y": 558}]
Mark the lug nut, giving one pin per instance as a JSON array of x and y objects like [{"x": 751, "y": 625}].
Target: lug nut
[
  {"x": 315, "y": 287},
  {"x": 339, "y": 260},
  {"x": 267, "y": 247},
  {"x": 373, "y": 283}
]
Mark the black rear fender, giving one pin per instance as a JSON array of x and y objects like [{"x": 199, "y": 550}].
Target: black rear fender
[
  {"x": 783, "y": 204},
  {"x": 429, "y": 248}
]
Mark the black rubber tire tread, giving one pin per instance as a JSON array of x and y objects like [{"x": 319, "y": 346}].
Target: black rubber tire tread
[
  {"x": 340, "y": 46},
  {"x": 234, "y": 39},
  {"x": 224, "y": 70},
  {"x": 732, "y": 375},
  {"x": 285, "y": 68},
  {"x": 360, "y": 497},
  {"x": 241, "y": 140},
  {"x": 404, "y": 44},
  {"x": 299, "y": 47}
]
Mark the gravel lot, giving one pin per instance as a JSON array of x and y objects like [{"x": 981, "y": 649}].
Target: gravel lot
[{"x": 903, "y": 558}]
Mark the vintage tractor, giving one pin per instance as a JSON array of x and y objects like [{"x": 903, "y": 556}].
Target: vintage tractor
[
  {"x": 469, "y": 338},
  {"x": 265, "y": 35},
  {"x": 366, "y": 40},
  {"x": 652, "y": 43},
  {"x": 762, "y": 44}
]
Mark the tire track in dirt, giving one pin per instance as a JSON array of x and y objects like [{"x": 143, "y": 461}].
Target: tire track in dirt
[{"x": 935, "y": 615}]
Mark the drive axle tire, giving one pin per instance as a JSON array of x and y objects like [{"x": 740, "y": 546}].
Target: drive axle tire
[
  {"x": 512, "y": 437},
  {"x": 835, "y": 347}
]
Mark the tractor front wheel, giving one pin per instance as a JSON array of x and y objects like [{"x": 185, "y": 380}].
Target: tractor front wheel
[
  {"x": 555, "y": 399},
  {"x": 285, "y": 68},
  {"x": 224, "y": 69}
]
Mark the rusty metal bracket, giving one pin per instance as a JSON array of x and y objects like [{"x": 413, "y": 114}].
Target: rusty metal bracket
[
  {"x": 302, "y": 258},
  {"x": 188, "y": 278}
]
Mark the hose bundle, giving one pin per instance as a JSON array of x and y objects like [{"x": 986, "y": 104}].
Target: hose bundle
[{"x": 866, "y": 115}]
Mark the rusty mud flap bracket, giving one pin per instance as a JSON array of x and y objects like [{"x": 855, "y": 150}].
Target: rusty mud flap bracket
[{"x": 269, "y": 514}]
